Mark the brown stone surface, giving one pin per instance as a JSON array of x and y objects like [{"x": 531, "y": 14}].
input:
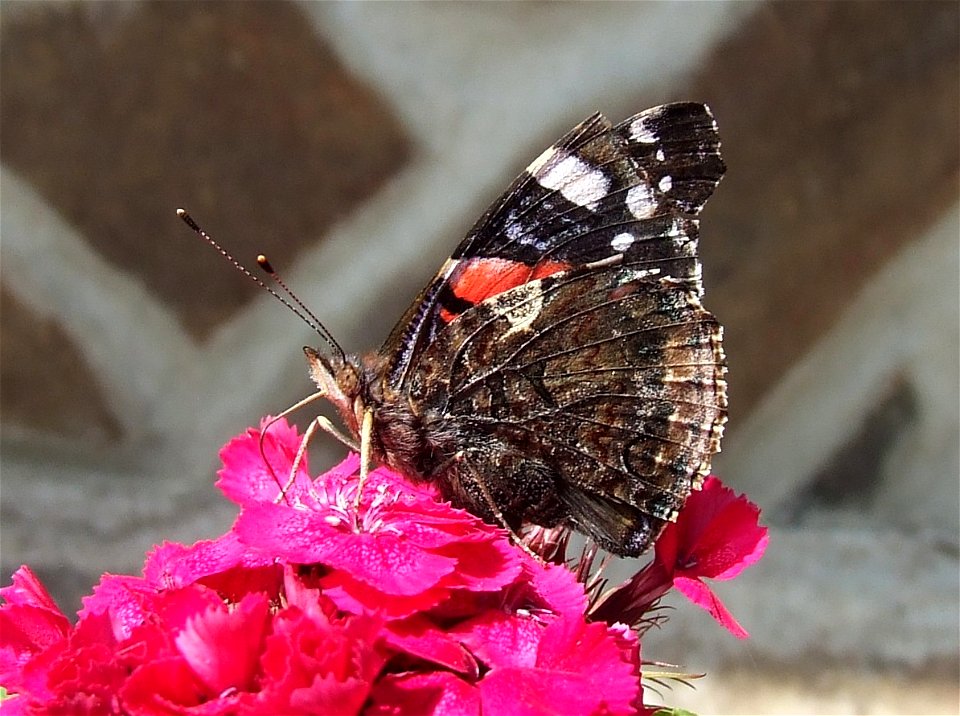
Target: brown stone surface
[
  {"x": 44, "y": 382},
  {"x": 119, "y": 113},
  {"x": 840, "y": 127}
]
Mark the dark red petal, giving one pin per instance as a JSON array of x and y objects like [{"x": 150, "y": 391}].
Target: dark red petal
[
  {"x": 164, "y": 686},
  {"x": 716, "y": 533},
  {"x": 437, "y": 693},
  {"x": 314, "y": 665},
  {"x": 731, "y": 542},
  {"x": 419, "y": 637},
  {"x": 358, "y": 597}
]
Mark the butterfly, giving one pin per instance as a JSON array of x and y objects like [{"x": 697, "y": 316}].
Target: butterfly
[{"x": 560, "y": 369}]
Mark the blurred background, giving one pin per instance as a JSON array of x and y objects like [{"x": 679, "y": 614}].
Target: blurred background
[{"x": 355, "y": 144}]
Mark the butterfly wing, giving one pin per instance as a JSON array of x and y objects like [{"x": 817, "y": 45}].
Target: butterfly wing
[
  {"x": 562, "y": 352},
  {"x": 602, "y": 190},
  {"x": 595, "y": 396}
]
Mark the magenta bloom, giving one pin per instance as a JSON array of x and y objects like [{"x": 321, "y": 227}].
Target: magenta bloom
[{"x": 317, "y": 603}]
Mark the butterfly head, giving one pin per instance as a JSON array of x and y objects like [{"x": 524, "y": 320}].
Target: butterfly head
[{"x": 341, "y": 380}]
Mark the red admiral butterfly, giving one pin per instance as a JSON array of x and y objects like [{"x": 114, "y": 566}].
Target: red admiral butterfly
[{"x": 560, "y": 368}]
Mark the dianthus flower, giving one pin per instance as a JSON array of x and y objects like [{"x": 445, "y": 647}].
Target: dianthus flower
[{"x": 322, "y": 601}]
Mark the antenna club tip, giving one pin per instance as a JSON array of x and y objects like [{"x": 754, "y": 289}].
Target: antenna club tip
[
  {"x": 263, "y": 263},
  {"x": 181, "y": 213}
]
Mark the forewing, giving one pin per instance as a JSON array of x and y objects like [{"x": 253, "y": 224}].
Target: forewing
[
  {"x": 605, "y": 384},
  {"x": 602, "y": 190}
]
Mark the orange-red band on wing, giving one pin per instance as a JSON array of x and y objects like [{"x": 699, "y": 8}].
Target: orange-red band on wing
[{"x": 478, "y": 279}]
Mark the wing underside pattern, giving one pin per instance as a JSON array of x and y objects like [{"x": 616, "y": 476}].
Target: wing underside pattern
[
  {"x": 607, "y": 384},
  {"x": 602, "y": 190}
]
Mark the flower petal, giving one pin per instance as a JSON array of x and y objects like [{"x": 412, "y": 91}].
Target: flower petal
[
  {"x": 701, "y": 595},
  {"x": 222, "y": 646},
  {"x": 436, "y": 693},
  {"x": 246, "y": 478}
]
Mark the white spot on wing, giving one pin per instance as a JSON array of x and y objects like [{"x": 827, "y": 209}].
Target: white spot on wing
[
  {"x": 661, "y": 156},
  {"x": 622, "y": 242},
  {"x": 639, "y": 132},
  {"x": 576, "y": 180},
  {"x": 666, "y": 183},
  {"x": 641, "y": 201}
]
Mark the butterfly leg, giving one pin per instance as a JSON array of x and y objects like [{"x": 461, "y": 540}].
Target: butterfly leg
[
  {"x": 263, "y": 455},
  {"x": 320, "y": 422},
  {"x": 492, "y": 504}
]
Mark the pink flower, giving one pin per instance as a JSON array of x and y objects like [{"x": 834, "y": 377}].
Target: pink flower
[
  {"x": 319, "y": 603},
  {"x": 565, "y": 666},
  {"x": 30, "y": 622},
  {"x": 716, "y": 536},
  {"x": 400, "y": 552}
]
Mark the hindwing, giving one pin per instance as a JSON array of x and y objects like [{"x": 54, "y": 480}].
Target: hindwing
[{"x": 595, "y": 396}]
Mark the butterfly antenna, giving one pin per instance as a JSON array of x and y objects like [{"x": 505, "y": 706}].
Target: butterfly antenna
[
  {"x": 267, "y": 268},
  {"x": 305, "y": 315}
]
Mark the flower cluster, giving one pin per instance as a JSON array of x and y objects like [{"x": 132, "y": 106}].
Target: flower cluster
[{"x": 326, "y": 601}]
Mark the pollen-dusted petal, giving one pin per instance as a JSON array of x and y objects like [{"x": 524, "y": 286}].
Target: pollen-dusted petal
[
  {"x": 385, "y": 560},
  {"x": 390, "y": 563}
]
